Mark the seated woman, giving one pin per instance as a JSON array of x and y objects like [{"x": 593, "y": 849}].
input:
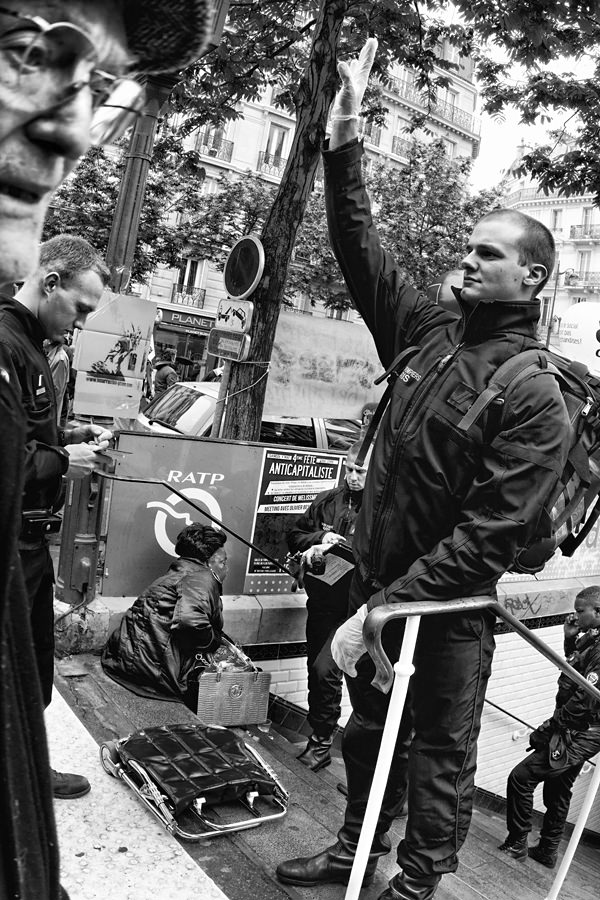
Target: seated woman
[{"x": 153, "y": 650}]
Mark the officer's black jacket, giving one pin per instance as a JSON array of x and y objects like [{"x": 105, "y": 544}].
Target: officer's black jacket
[{"x": 22, "y": 355}]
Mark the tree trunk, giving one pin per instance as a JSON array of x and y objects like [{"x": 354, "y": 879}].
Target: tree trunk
[{"x": 315, "y": 93}]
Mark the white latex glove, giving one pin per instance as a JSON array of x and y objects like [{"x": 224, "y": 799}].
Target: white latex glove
[
  {"x": 331, "y": 537},
  {"x": 354, "y": 75},
  {"x": 348, "y": 645},
  {"x": 83, "y": 458}
]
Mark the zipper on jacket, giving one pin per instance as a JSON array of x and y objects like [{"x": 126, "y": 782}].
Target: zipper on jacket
[{"x": 422, "y": 390}]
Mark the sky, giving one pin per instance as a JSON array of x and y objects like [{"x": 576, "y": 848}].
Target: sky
[{"x": 499, "y": 143}]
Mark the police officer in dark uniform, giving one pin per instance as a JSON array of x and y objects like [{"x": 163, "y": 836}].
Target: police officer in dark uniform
[
  {"x": 329, "y": 520},
  {"x": 67, "y": 285},
  {"x": 561, "y": 744}
]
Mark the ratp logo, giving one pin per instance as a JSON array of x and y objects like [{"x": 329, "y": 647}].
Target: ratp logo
[{"x": 167, "y": 509}]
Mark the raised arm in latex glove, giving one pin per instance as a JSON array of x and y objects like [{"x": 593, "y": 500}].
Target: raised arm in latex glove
[
  {"x": 348, "y": 645},
  {"x": 354, "y": 76}
]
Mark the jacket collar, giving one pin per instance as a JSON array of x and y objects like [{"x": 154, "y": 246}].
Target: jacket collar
[
  {"x": 485, "y": 319},
  {"x": 29, "y": 324}
]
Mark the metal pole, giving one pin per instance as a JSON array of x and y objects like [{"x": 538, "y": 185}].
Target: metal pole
[
  {"x": 576, "y": 836},
  {"x": 551, "y": 314},
  {"x": 218, "y": 420},
  {"x": 126, "y": 222},
  {"x": 403, "y": 670}
]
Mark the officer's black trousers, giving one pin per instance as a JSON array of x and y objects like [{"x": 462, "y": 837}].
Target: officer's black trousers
[
  {"x": 452, "y": 666},
  {"x": 558, "y": 784},
  {"x": 38, "y": 572},
  {"x": 324, "y": 677}
]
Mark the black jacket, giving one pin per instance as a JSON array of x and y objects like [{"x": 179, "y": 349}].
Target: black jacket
[
  {"x": 335, "y": 510},
  {"x": 443, "y": 513},
  {"x": 21, "y": 352},
  {"x": 574, "y": 708},
  {"x": 178, "y": 615}
]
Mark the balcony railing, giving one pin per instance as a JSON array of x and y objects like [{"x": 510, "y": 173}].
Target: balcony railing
[
  {"x": 583, "y": 232},
  {"x": 443, "y": 110},
  {"x": 370, "y": 133},
  {"x": 582, "y": 279},
  {"x": 210, "y": 144},
  {"x": 401, "y": 147},
  {"x": 187, "y": 295},
  {"x": 270, "y": 163}
]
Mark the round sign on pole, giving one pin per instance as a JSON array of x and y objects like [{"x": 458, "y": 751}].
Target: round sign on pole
[{"x": 244, "y": 267}]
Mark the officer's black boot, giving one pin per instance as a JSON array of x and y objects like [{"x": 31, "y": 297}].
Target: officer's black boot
[
  {"x": 403, "y": 887},
  {"x": 317, "y": 753},
  {"x": 515, "y": 847},
  {"x": 332, "y": 865},
  {"x": 545, "y": 852}
]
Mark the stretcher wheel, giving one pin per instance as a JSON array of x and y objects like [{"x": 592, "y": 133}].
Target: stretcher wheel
[{"x": 109, "y": 756}]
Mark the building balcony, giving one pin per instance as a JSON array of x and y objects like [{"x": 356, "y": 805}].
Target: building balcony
[
  {"x": 401, "y": 147},
  {"x": 446, "y": 111},
  {"x": 371, "y": 134},
  {"x": 585, "y": 232},
  {"x": 187, "y": 295},
  {"x": 582, "y": 280},
  {"x": 210, "y": 144},
  {"x": 271, "y": 164}
]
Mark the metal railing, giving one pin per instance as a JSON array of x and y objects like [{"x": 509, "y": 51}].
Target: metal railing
[
  {"x": 270, "y": 163},
  {"x": 440, "y": 108},
  {"x": 187, "y": 295},
  {"x": 397, "y": 678},
  {"x": 370, "y": 133},
  {"x": 210, "y": 144},
  {"x": 585, "y": 232}
]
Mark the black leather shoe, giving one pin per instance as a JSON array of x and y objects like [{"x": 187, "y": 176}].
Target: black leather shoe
[
  {"x": 66, "y": 786},
  {"x": 544, "y": 854},
  {"x": 515, "y": 848},
  {"x": 332, "y": 866},
  {"x": 317, "y": 753},
  {"x": 403, "y": 887}
]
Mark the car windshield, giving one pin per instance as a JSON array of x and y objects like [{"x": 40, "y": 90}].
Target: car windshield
[
  {"x": 342, "y": 433},
  {"x": 169, "y": 408}
]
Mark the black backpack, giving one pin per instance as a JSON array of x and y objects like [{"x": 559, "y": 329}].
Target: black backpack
[{"x": 573, "y": 506}]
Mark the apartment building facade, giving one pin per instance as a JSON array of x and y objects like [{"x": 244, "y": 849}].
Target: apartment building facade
[
  {"x": 259, "y": 141},
  {"x": 575, "y": 224}
]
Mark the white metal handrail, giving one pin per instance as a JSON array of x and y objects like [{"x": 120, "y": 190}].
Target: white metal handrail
[{"x": 398, "y": 677}]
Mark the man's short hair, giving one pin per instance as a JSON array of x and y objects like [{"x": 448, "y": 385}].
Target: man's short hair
[
  {"x": 68, "y": 255},
  {"x": 199, "y": 542},
  {"x": 535, "y": 244},
  {"x": 590, "y": 595}
]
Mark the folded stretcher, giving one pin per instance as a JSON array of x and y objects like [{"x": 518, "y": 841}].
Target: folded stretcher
[{"x": 191, "y": 777}]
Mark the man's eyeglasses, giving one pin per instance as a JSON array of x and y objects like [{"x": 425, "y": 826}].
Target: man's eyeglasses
[{"x": 41, "y": 60}]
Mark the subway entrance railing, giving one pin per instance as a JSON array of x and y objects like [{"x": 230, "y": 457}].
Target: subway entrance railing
[{"x": 397, "y": 678}]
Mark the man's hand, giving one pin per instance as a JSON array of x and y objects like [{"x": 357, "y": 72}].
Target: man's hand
[
  {"x": 571, "y": 626},
  {"x": 348, "y": 645},
  {"x": 331, "y": 537},
  {"x": 83, "y": 458},
  {"x": 354, "y": 76},
  {"x": 95, "y": 434},
  {"x": 315, "y": 550}
]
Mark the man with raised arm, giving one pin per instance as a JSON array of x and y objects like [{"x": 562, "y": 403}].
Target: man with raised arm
[{"x": 444, "y": 511}]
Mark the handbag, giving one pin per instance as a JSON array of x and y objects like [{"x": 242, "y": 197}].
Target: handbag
[{"x": 231, "y": 689}]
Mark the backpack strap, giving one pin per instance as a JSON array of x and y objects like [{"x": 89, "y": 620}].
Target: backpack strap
[
  {"x": 391, "y": 373},
  {"x": 511, "y": 373}
]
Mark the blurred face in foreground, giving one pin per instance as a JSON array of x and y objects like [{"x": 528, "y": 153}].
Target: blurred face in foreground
[{"x": 50, "y": 86}]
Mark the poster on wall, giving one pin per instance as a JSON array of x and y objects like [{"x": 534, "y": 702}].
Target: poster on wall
[
  {"x": 322, "y": 367},
  {"x": 579, "y": 334},
  {"x": 290, "y": 480}
]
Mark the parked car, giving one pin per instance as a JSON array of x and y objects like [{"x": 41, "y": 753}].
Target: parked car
[{"x": 188, "y": 407}]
